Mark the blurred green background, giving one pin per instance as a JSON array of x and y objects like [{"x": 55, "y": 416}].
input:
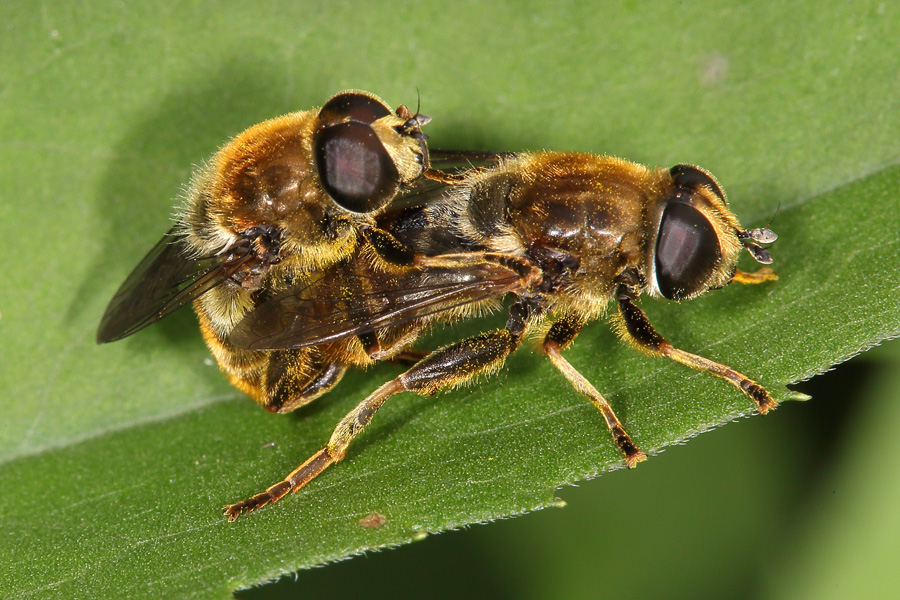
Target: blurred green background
[{"x": 105, "y": 107}]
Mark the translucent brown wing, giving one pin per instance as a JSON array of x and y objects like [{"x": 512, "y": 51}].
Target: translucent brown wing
[
  {"x": 342, "y": 304},
  {"x": 165, "y": 280}
]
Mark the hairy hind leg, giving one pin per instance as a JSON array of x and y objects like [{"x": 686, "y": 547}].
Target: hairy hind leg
[
  {"x": 294, "y": 378},
  {"x": 442, "y": 369}
]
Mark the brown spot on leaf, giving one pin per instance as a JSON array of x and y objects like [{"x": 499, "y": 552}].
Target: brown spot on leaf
[{"x": 372, "y": 521}]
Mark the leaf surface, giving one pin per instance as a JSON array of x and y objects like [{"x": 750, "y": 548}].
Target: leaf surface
[{"x": 114, "y": 460}]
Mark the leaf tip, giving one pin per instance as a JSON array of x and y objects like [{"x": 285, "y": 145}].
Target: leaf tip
[{"x": 797, "y": 396}]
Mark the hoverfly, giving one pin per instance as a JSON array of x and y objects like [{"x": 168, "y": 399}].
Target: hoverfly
[
  {"x": 564, "y": 234},
  {"x": 573, "y": 232},
  {"x": 276, "y": 206}
]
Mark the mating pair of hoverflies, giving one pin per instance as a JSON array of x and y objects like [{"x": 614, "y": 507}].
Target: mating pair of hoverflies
[{"x": 333, "y": 238}]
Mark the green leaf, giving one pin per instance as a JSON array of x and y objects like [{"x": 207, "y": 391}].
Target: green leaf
[{"x": 116, "y": 459}]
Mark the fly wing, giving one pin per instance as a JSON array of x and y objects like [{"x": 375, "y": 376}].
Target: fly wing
[
  {"x": 338, "y": 306},
  {"x": 165, "y": 280}
]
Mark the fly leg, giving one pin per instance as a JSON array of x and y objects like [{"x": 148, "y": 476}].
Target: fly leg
[
  {"x": 408, "y": 357},
  {"x": 759, "y": 276},
  {"x": 294, "y": 378},
  {"x": 442, "y": 369},
  {"x": 637, "y": 329},
  {"x": 391, "y": 250},
  {"x": 560, "y": 336}
]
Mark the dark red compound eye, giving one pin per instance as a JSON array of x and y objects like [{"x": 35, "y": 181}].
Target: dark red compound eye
[
  {"x": 690, "y": 178},
  {"x": 354, "y": 167},
  {"x": 687, "y": 252},
  {"x": 353, "y": 106}
]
